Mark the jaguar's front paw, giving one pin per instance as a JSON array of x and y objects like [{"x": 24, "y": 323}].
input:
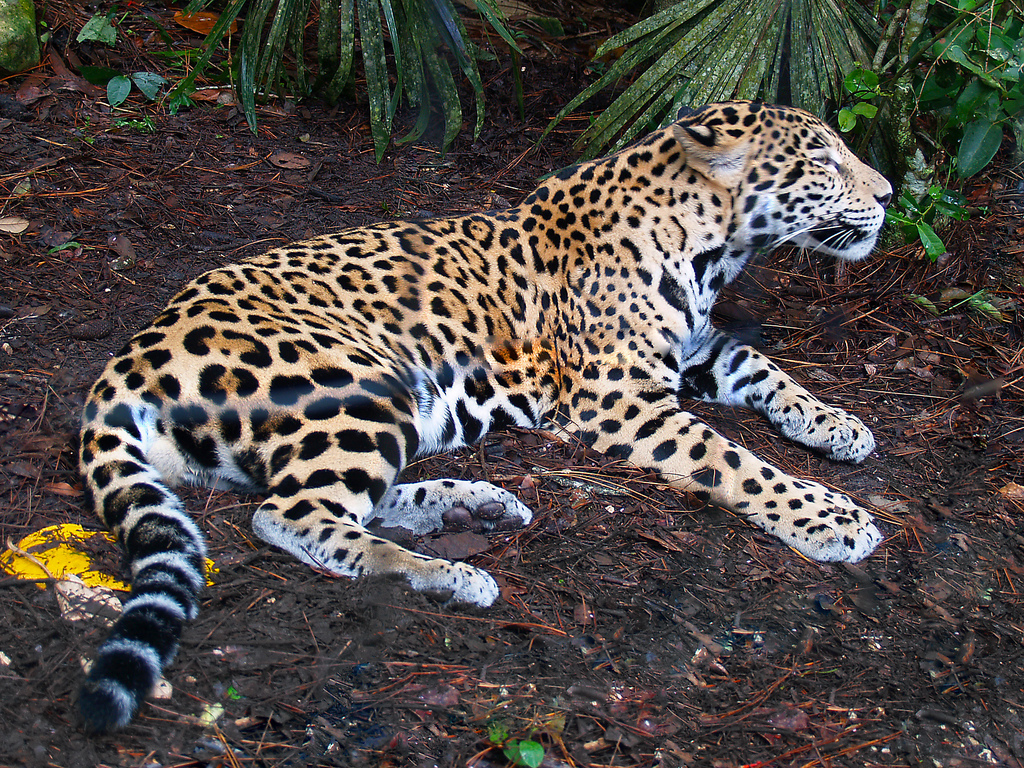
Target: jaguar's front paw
[
  {"x": 824, "y": 525},
  {"x": 856, "y": 441},
  {"x": 456, "y": 582}
]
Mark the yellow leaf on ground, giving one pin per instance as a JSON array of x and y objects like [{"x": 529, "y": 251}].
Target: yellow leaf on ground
[{"x": 60, "y": 551}]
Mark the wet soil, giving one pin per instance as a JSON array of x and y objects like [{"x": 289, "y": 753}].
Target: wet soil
[{"x": 635, "y": 627}]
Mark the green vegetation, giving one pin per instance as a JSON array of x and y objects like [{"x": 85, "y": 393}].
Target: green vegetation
[
  {"x": 100, "y": 29},
  {"x": 418, "y": 34},
  {"x": 519, "y": 752},
  {"x": 711, "y": 50}
]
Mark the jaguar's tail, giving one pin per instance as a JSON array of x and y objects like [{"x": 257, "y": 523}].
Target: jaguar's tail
[{"x": 165, "y": 553}]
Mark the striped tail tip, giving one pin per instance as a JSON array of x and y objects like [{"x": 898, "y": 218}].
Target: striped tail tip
[{"x": 123, "y": 674}]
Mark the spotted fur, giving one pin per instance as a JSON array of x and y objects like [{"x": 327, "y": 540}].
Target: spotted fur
[{"x": 316, "y": 372}]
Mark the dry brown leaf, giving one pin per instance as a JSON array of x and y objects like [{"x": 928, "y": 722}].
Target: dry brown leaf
[
  {"x": 1012, "y": 491},
  {"x": 223, "y": 96},
  {"x": 289, "y": 160},
  {"x": 62, "y": 489},
  {"x": 201, "y": 21},
  {"x": 13, "y": 225},
  {"x": 80, "y": 602},
  {"x": 458, "y": 546}
]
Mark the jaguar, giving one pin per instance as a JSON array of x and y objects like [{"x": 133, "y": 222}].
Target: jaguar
[{"x": 316, "y": 372}]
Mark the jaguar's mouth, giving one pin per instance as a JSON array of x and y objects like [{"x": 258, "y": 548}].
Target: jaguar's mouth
[{"x": 843, "y": 240}]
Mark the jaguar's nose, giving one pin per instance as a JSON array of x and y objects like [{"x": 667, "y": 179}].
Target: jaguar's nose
[{"x": 884, "y": 199}]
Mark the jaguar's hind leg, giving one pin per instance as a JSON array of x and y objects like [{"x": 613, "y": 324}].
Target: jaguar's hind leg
[
  {"x": 317, "y": 514},
  {"x": 434, "y": 505},
  {"x": 330, "y": 541}
]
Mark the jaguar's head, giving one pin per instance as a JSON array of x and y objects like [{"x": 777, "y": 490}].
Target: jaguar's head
[{"x": 790, "y": 178}]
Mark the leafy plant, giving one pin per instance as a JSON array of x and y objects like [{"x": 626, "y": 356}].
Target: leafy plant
[
  {"x": 863, "y": 85},
  {"x": 517, "y": 751},
  {"x": 144, "y": 125},
  {"x": 418, "y": 33},
  {"x": 974, "y": 82},
  {"x": 917, "y": 216},
  {"x": 100, "y": 29},
  {"x": 118, "y": 87},
  {"x": 979, "y": 302},
  {"x": 698, "y": 51}
]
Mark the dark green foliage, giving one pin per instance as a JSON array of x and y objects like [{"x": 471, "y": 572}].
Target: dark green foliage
[{"x": 417, "y": 31}]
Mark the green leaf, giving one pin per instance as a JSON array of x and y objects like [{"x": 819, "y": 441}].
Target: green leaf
[
  {"x": 377, "y": 88},
  {"x": 861, "y": 80},
  {"x": 847, "y": 120},
  {"x": 977, "y": 148},
  {"x": 497, "y": 732},
  {"x": 531, "y": 753},
  {"x": 118, "y": 89},
  {"x": 455, "y": 35},
  {"x": 933, "y": 245},
  {"x": 98, "y": 29},
  {"x": 979, "y": 304},
  {"x": 865, "y": 109},
  {"x": 924, "y": 302},
  {"x": 98, "y": 75},
  {"x": 69, "y": 244},
  {"x": 528, "y": 753},
  {"x": 550, "y": 25},
  {"x": 895, "y": 217},
  {"x": 949, "y": 202},
  {"x": 336, "y": 45},
  {"x": 442, "y": 76},
  {"x": 493, "y": 15},
  {"x": 179, "y": 100},
  {"x": 149, "y": 83}
]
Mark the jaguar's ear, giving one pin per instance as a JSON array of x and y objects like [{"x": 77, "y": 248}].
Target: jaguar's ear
[{"x": 714, "y": 147}]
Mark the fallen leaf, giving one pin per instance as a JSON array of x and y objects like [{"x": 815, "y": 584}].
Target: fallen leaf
[
  {"x": 458, "y": 546},
  {"x": 790, "y": 718},
  {"x": 289, "y": 160},
  {"x": 55, "y": 238},
  {"x": 30, "y": 94},
  {"x": 223, "y": 96},
  {"x": 441, "y": 696},
  {"x": 80, "y": 602},
  {"x": 1012, "y": 491},
  {"x": 31, "y": 313},
  {"x": 201, "y": 21},
  {"x": 13, "y": 225},
  {"x": 62, "y": 489},
  {"x": 824, "y": 376}
]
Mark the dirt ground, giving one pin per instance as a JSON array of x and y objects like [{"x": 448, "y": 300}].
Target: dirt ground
[{"x": 634, "y": 627}]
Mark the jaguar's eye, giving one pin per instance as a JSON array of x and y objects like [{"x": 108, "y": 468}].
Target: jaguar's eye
[{"x": 827, "y": 160}]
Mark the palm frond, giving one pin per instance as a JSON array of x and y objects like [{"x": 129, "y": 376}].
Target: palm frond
[
  {"x": 711, "y": 50},
  {"x": 417, "y": 32}
]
